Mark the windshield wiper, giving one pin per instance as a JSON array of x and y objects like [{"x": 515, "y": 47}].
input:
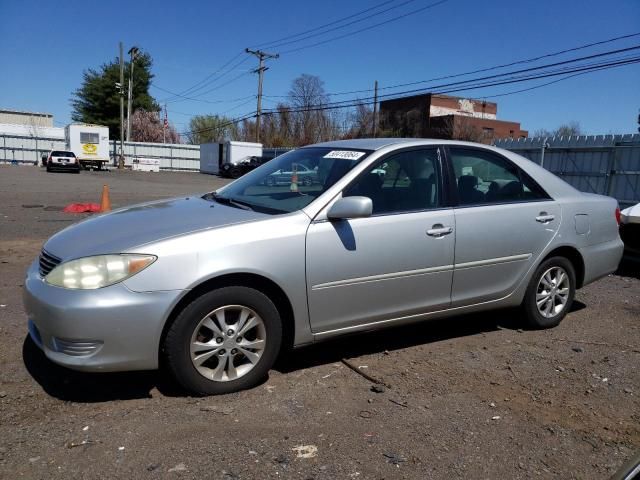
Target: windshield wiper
[{"x": 231, "y": 201}]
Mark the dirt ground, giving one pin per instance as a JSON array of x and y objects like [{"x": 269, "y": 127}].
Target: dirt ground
[{"x": 466, "y": 397}]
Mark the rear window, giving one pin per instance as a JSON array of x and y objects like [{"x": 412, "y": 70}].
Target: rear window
[
  {"x": 86, "y": 137},
  {"x": 58, "y": 153}
]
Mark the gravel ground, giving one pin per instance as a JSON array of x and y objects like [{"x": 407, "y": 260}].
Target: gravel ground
[{"x": 466, "y": 397}]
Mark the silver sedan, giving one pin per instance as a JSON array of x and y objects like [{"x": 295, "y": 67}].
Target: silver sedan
[{"x": 392, "y": 231}]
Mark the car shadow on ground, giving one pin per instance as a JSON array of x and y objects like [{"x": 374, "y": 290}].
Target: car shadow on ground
[
  {"x": 69, "y": 385},
  {"x": 398, "y": 338},
  {"x": 82, "y": 387}
]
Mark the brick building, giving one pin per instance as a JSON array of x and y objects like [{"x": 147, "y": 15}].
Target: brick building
[{"x": 442, "y": 116}]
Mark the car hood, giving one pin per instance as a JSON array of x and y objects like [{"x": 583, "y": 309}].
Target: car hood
[{"x": 127, "y": 228}]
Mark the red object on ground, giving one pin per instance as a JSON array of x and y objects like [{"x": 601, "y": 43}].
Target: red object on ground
[{"x": 82, "y": 208}]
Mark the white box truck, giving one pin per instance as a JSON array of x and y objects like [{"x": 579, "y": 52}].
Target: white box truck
[
  {"x": 90, "y": 143},
  {"x": 214, "y": 155}
]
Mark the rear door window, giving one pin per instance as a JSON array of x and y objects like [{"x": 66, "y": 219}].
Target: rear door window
[{"x": 483, "y": 177}]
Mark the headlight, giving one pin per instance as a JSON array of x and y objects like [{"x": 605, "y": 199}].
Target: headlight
[{"x": 99, "y": 271}]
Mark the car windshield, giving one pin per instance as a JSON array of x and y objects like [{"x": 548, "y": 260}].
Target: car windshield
[{"x": 291, "y": 181}]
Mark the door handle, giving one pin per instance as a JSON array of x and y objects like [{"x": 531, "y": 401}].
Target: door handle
[
  {"x": 439, "y": 230},
  {"x": 544, "y": 217}
]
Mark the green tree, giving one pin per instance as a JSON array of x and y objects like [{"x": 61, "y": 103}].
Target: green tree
[
  {"x": 210, "y": 129},
  {"x": 97, "y": 100}
]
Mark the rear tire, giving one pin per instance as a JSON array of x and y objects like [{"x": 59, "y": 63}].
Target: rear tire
[
  {"x": 239, "y": 326},
  {"x": 550, "y": 293}
]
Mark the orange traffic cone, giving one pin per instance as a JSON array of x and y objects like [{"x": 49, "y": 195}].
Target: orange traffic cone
[{"x": 105, "y": 204}]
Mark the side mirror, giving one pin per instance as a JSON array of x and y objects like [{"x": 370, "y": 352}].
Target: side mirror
[{"x": 350, "y": 207}]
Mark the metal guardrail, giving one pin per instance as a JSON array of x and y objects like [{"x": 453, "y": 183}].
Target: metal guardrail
[{"x": 604, "y": 164}]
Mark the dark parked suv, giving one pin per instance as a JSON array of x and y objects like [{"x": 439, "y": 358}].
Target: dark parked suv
[{"x": 236, "y": 170}]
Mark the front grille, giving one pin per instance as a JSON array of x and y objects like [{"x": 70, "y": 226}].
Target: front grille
[{"x": 47, "y": 263}]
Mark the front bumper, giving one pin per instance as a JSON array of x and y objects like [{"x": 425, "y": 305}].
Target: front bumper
[{"x": 108, "y": 329}]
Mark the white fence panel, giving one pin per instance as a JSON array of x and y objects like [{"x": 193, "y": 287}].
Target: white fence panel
[{"x": 604, "y": 164}]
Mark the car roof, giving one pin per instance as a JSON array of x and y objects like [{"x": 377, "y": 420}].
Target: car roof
[
  {"x": 378, "y": 143},
  {"x": 364, "y": 143}
]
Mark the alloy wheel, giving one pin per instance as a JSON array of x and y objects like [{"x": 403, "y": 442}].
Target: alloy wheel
[
  {"x": 228, "y": 343},
  {"x": 552, "y": 292}
]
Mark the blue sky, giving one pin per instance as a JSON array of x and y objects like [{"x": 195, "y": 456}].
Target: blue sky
[{"x": 46, "y": 45}]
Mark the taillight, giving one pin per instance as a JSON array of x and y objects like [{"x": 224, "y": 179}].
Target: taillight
[{"x": 618, "y": 215}]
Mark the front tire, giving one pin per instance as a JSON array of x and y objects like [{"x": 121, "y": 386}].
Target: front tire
[
  {"x": 224, "y": 341},
  {"x": 550, "y": 293}
]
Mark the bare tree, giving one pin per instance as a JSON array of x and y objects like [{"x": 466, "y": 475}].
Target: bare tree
[
  {"x": 311, "y": 123},
  {"x": 463, "y": 129},
  {"x": 360, "y": 122},
  {"x": 564, "y": 130},
  {"x": 568, "y": 129}
]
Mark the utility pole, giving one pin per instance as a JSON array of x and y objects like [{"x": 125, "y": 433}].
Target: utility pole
[
  {"x": 133, "y": 52},
  {"x": 165, "y": 124},
  {"x": 375, "y": 109},
  {"x": 260, "y": 71},
  {"x": 120, "y": 87}
]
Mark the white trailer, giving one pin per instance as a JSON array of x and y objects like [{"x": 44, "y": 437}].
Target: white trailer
[
  {"x": 214, "y": 155},
  {"x": 141, "y": 164},
  {"x": 90, "y": 143}
]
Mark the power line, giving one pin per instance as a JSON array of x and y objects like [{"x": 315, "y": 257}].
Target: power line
[
  {"x": 353, "y": 22},
  {"x": 268, "y": 44},
  {"x": 203, "y": 100},
  {"x": 487, "y": 69},
  {"x": 217, "y": 87},
  {"x": 489, "y": 77},
  {"x": 505, "y": 94},
  {"x": 211, "y": 81},
  {"x": 364, "y": 29},
  {"x": 188, "y": 90}
]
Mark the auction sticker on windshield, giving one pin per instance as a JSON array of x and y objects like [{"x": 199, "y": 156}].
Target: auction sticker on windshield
[{"x": 345, "y": 154}]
